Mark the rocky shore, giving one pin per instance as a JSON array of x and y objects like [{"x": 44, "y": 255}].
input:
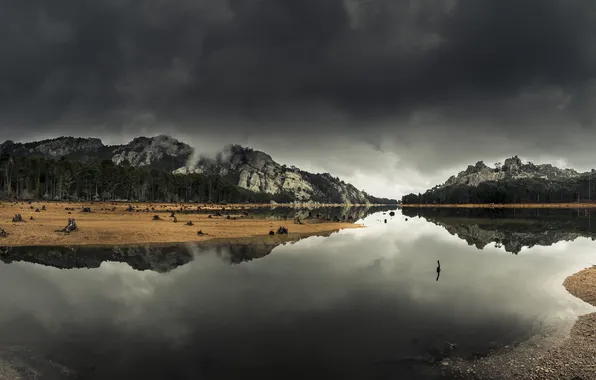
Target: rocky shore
[{"x": 550, "y": 356}]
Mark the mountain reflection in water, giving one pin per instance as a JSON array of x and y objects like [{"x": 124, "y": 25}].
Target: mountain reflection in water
[
  {"x": 510, "y": 228},
  {"x": 359, "y": 304}
]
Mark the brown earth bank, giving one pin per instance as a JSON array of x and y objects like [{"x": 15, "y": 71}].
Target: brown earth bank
[
  {"x": 505, "y": 205},
  {"x": 569, "y": 358},
  {"x": 110, "y": 223}
]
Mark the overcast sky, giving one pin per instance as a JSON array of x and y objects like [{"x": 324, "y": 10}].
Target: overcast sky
[{"x": 391, "y": 95}]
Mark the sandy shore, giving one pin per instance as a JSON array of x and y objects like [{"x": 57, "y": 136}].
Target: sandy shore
[
  {"x": 572, "y": 357},
  {"x": 508, "y": 205},
  {"x": 112, "y": 224}
]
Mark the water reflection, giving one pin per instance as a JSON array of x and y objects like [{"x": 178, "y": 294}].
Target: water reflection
[
  {"x": 509, "y": 228},
  {"x": 361, "y": 303},
  {"x": 160, "y": 258},
  {"x": 308, "y": 214}
]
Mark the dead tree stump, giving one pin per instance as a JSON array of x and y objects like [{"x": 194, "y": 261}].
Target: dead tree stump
[{"x": 70, "y": 227}]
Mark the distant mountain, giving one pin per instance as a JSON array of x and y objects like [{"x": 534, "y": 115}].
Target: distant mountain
[
  {"x": 512, "y": 168},
  {"x": 243, "y": 167},
  {"x": 161, "y": 151},
  {"x": 511, "y": 182},
  {"x": 256, "y": 171}
]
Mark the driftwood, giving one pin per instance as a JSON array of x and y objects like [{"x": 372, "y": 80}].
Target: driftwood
[
  {"x": 70, "y": 227},
  {"x": 282, "y": 230}
]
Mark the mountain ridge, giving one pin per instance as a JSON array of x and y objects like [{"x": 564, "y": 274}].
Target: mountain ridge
[
  {"x": 244, "y": 167},
  {"x": 511, "y": 182}
]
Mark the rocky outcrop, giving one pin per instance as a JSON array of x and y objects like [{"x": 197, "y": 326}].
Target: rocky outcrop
[
  {"x": 258, "y": 172},
  {"x": 79, "y": 148},
  {"x": 247, "y": 168},
  {"x": 160, "y": 151},
  {"x": 512, "y": 168}
]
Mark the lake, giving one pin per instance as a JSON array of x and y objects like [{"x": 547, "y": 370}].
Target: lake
[{"x": 360, "y": 303}]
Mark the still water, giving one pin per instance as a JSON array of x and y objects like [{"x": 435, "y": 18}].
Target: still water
[{"x": 362, "y": 303}]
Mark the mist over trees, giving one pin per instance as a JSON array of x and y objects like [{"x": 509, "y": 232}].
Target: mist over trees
[{"x": 39, "y": 178}]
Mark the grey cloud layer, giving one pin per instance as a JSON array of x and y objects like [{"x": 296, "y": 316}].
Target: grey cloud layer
[{"x": 423, "y": 74}]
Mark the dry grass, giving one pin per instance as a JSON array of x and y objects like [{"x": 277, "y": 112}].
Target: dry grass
[
  {"x": 507, "y": 205},
  {"x": 111, "y": 224}
]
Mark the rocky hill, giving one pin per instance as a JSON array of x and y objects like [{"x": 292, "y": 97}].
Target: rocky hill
[
  {"x": 511, "y": 182},
  {"x": 512, "y": 168},
  {"x": 256, "y": 171},
  {"x": 244, "y": 167},
  {"x": 161, "y": 151}
]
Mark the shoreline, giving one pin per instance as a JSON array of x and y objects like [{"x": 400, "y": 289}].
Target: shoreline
[
  {"x": 504, "y": 205},
  {"x": 555, "y": 355},
  {"x": 111, "y": 224}
]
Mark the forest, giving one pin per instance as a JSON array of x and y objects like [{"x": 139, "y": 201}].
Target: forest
[
  {"x": 39, "y": 178},
  {"x": 34, "y": 178},
  {"x": 522, "y": 190}
]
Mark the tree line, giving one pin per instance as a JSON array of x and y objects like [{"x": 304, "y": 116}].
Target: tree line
[
  {"x": 522, "y": 190},
  {"x": 48, "y": 179},
  {"x": 36, "y": 178}
]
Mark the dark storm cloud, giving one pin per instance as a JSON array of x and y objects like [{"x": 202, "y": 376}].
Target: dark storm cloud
[{"x": 425, "y": 75}]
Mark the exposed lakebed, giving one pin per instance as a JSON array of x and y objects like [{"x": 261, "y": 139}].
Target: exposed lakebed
[{"x": 362, "y": 303}]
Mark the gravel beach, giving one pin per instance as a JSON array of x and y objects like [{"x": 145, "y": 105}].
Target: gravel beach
[{"x": 548, "y": 356}]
